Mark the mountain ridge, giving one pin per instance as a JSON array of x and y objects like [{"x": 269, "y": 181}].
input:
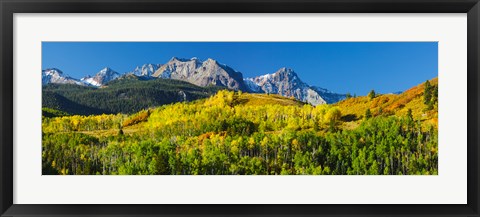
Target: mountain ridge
[
  {"x": 210, "y": 72},
  {"x": 206, "y": 73},
  {"x": 54, "y": 75},
  {"x": 146, "y": 70},
  {"x": 286, "y": 82}
]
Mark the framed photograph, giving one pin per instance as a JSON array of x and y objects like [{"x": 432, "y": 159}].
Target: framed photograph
[{"x": 239, "y": 108}]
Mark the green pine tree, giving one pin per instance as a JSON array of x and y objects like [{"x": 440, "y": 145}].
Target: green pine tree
[
  {"x": 371, "y": 94},
  {"x": 368, "y": 114}
]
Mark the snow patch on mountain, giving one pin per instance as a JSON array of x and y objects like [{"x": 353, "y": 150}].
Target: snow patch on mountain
[
  {"x": 251, "y": 85},
  {"x": 56, "y": 76},
  {"x": 101, "y": 78}
]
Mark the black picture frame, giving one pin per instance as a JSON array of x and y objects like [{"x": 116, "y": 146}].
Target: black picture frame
[{"x": 9, "y": 7}]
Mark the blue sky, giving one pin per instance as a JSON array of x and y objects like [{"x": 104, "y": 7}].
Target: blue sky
[{"x": 354, "y": 67}]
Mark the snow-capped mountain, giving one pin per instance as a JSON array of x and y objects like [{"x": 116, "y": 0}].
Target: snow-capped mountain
[
  {"x": 102, "y": 77},
  {"x": 286, "y": 82},
  {"x": 146, "y": 70},
  {"x": 55, "y": 76},
  {"x": 206, "y": 73}
]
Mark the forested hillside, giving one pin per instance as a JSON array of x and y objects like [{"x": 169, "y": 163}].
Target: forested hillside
[
  {"x": 127, "y": 95},
  {"x": 423, "y": 109},
  {"x": 242, "y": 133}
]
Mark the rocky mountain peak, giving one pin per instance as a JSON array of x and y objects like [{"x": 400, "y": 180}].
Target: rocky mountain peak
[
  {"x": 285, "y": 82},
  {"x": 50, "y": 71},
  {"x": 206, "y": 73},
  {"x": 101, "y": 78},
  {"x": 146, "y": 70},
  {"x": 56, "y": 76}
]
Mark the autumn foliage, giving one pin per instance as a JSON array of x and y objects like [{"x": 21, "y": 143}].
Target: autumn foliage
[{"x": 234, "y": 133}]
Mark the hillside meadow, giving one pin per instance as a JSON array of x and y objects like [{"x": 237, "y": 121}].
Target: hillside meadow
[{"x": 235, "y": 133}]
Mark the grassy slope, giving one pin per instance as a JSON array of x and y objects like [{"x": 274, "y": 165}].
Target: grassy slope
[
  {"x": 391, "y": 104},
  {"x": 250, "y": 99}
]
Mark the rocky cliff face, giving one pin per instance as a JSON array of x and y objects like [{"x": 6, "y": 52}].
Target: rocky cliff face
[
  {"x": 329, "y": 96},
  {"x": 145, "y": 70},
  {"x": 285, "y": 82},
  {"x": 206, "y": 73}
]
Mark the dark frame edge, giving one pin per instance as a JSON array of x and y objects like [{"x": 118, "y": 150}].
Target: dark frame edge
[
  {"x": 6, "y": 109},
  {"x": 473, "y": 52},
  {"x": 6, "y": 121}
]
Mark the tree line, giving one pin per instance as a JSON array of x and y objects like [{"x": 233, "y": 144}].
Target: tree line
[{"x": 126, "y": 96}]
